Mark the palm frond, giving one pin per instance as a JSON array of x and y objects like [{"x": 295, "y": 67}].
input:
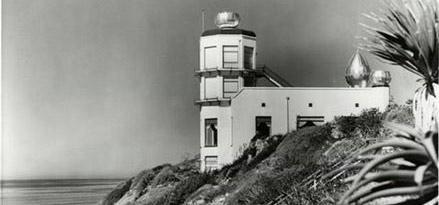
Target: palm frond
[
  {"x": 410, "y": 170},
  {"x": 407, "y": 34}
]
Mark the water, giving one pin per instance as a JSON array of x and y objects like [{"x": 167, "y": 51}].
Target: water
[{"x": 55, "y": 192}]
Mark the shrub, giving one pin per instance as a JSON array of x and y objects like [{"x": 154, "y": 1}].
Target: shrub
[
  {"x": 140, "y": 182},
  {"x": 368, "y": 123},
  {"x": 294, "y": 159},
  {"x": 117, "y": 193},
  {"x": 401, "y": 114},
  {"x": 272, "y": 142},
  {"x": 324, "y": 195},
  {"x": 166, "y": 175},
  {"x": 188, "y": 186},
  {"x": 242, "y": 164},
  {"x": 155, "y": 196},
  {"x": 160, "y": 167},
  {"x": 261, "y": 191},
  {"x": 303, "y": 147},
  {"x": 265, "y": 187}
]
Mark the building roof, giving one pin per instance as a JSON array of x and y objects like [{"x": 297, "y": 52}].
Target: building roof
[{"x": 228, "y": 31}]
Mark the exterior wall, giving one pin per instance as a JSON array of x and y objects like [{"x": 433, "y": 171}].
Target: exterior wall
[
  {"x": 223, "y": 150},
  {"x": 225, "y": 40},
  {"x": 214, "y": 87},
  {"x": 327, "y": 102},
  {"x": 211, "y": 87}
]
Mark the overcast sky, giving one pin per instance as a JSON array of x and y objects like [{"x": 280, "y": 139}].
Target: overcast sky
[{"x": 105, "y": 88}]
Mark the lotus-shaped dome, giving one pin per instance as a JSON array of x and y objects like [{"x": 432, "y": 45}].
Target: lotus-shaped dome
[
  {"x": 358, "y": 71},
  {"x": 380, "y": 78},
  {"x": 227, "y": 19}
]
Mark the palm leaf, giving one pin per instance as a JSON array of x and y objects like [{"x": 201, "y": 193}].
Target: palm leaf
[
  {"x": 408, "y": 36},
  {"x": 379, "y": 177}
]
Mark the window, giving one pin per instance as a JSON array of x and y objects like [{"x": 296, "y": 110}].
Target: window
[
  {"x": 263, "y": 126},
  {"x": 248, "y": 57},
  {"x": 357, "y": 104},
  {"x": 309, "y": 104},
  {"x": 230, "y": 86},
  {"x": 230, "y": 57},
  {"x": 211, "y": 163},
  {"x": 262, "y": 104},
  {"x": 309, "y": 121},
  {"x": 210, "y": 57},
  {"x": 211, "y": 136}
]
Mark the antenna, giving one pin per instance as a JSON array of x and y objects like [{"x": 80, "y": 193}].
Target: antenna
[{"x": 202, "y": 20}]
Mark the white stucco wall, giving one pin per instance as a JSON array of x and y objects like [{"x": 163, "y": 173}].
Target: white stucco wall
[
  {"x": 226, "y": 40},
  {"x": 223, "y": 150},
  {"x": 212, "y": 87},
  {"x": 327, "y": 102}
]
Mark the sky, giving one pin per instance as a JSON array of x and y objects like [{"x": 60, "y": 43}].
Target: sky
[{"x": 106, "y": 88}]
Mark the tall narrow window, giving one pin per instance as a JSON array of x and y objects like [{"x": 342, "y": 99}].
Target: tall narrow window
[
  {"x": 211, "y": 163},
  {"x": 211, "y": 136},
  {"x": 210, "y": 57},
  {"x": 248, "y": 57},
  {"x": 230, "y": 86},
  {"x": 230, "y": 57},
  {"x": 263, "y": 126}
]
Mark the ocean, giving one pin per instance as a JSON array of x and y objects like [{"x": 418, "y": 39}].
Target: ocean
[{"x": 55, "y": 192}]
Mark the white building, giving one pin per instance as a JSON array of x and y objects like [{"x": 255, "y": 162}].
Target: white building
[{"x": 233, "y": 108}]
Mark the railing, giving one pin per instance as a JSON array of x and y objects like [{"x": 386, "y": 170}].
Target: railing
[{"x": 272, "y": 76}]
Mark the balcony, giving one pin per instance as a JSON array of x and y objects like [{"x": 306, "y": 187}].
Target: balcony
[
  {"x": 222, "y": 71},
  {"x": 259, "y": 72},
  {"x": 213, "y": 102}
]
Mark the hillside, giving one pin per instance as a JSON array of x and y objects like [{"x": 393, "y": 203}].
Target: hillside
[{"x": 268, "y": 168}]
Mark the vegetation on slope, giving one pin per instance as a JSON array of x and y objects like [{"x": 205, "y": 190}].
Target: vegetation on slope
[{"x": 268, "y": 167}]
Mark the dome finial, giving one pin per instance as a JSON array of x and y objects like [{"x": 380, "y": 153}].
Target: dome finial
[
  {"x": 380, "y": 78},
  {"x": 227, "y": 19},
  {"x": 358, "y": 71}
]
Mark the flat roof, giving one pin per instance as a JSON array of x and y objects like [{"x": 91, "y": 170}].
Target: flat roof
[
  {"x": 228, "y": 31},
  {"x": 303, "y": 88}
]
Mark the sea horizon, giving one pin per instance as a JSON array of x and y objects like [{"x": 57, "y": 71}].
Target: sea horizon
[{"x": 55, "y": 191}]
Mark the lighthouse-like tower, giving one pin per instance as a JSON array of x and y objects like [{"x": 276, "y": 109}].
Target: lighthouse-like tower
[{"x": 227, "y": 59}]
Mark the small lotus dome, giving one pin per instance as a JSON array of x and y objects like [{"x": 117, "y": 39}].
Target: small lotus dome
[
  {"x": 380, "y": 78},
  {"x": 358, "y": 71},
  {"x": 227, "y": 19}
]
